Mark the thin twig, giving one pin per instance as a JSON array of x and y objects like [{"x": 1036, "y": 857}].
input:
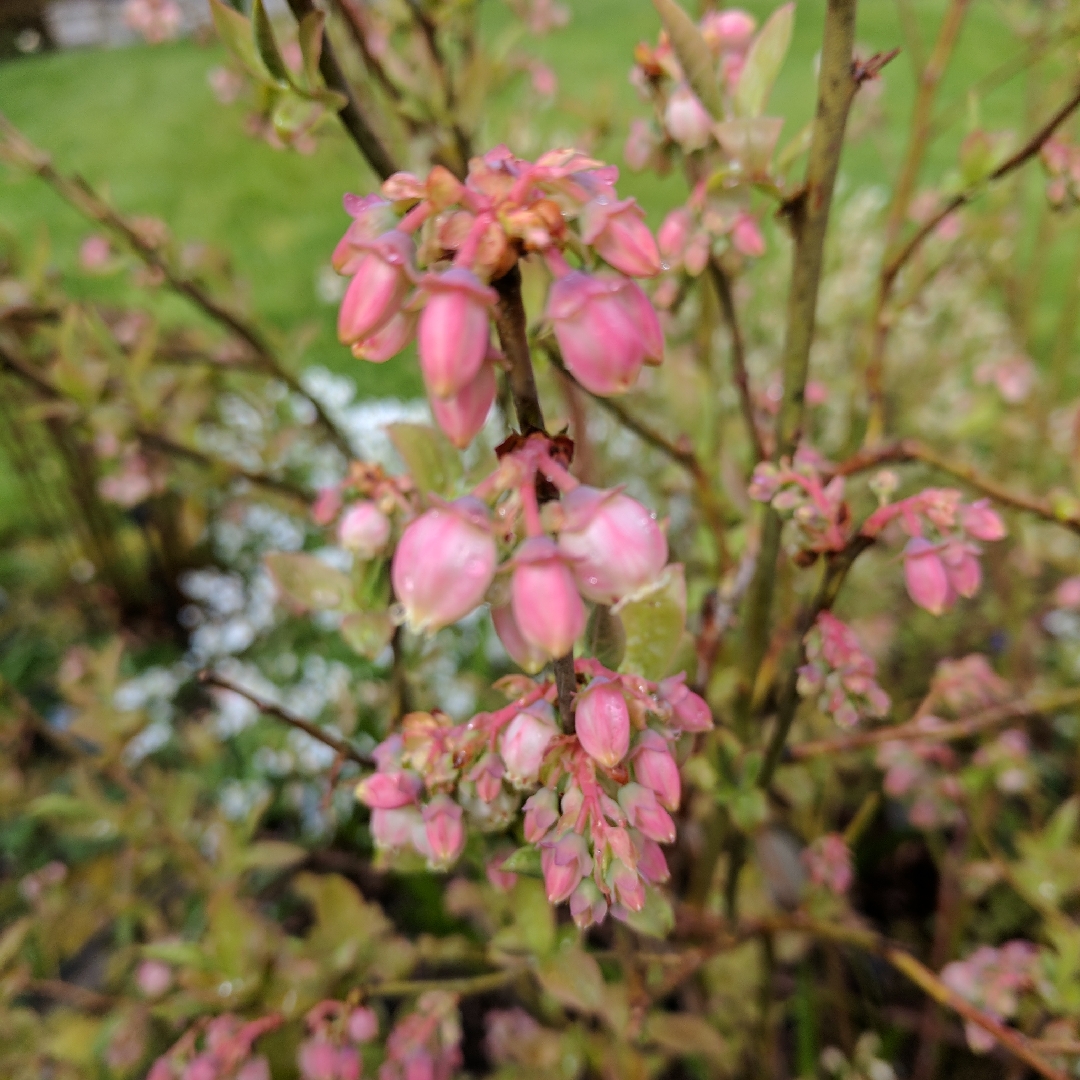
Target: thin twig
[
  {"x": 963, "y": 728},
  {"x": 466, "y": 986},
  {"x": 351, "y": 116},
  {"x": 341, "y": 746},
  {"x": 78, "y": 997},
  {"x": 722, "y": 284},
  {"x": 78, "y": 193}
]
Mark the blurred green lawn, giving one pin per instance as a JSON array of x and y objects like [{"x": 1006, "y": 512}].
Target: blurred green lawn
[{"x": 143, "y": 125}]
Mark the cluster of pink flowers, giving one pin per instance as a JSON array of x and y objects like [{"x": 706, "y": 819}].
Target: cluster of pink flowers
[
  {"x": 828, "y": 863},
  {"x": 966, "y": 684},
  {"x": 421, "y": 255},
  {"x": 426, "y": 1044},
  {"x": 840, "y": 673},
  {"x": 607, "y": 790},
  {"x": 363, "y": 506},
  {"x": 941, "y": 558},
  {"x": 155, "y": 20},
  {"x": 219, "y": 1048},
  {"x": 1061, "y": 160},
  {"x": 993, "y": 979},
  {"x": 818, "y": 511},
  {"x": 336, "y": 1033},
  {"x": 921, "y": 772}
]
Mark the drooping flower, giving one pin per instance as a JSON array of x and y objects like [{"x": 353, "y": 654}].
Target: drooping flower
[
  {"x": 462, "y": 415},
  {"x": 564, "y": 863},
  {"x": 925, "y": 575},
  {"x": 545, "y": 600},
  {"x": 443, "y": 830},
  {"x": 378, "y": 287},
  {"x": 602, "y": 722},
  {"x": 686, "y": 119},
  {"x": 655, "y": 768},
  {"x": 454, "y": 332},
  {"x": 617, "y": 231},
  {"x": 523, "y": 745}
]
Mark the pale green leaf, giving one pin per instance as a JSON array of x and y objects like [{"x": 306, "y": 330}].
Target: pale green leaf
[
  {"x": 267, "y": 45},
  {"x": 605, "y": 637},
  {"x": 686, "y": 1035},
  {"x": 237, "y": 36},
  {"x": 271, "y": 855},
  {"x": 433, "y": 463},
  {"x": 693, "y": 54},
  {"x": 367, "y": 632},
  {"x": 764, "y": 61},
  {"x": 654, "y": 624},
  {"x": 308, "y": 583},
  {"x": 574, "y": 979},
  {"x": 656, "y": 919},
  {"x": 526, "y": 860},
  {"x": 310, "y": 37}
]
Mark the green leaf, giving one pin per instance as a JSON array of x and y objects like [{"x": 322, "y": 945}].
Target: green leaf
[
  {"x": 574, "y": 979},
  {"x": 180, "y": 953},
  {"x": 763, "y": 62},
  {"x": 310, "y": 37},
  {"x": 433, "y": 463},
  {"x": 656, "y": 919},
  {"x": 654, "y": 624},
  {"x": 605, "y": 637},
  {"x": 367, "y": 632},
  {"x": 526, "y": 861},
  {"x": 237, "y": 36},
  {"x": 693, "y": 54},
  {"x": 308, "y": 583},
  {"x": 57, "y": 805},
  {"x": 686, "y": 1035},
  {"x": 271, "y": 855},
  {"x": 750, "y": 143},
  {"x": 267, "y": 44}
]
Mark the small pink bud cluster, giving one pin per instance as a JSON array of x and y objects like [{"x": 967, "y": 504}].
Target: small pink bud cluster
[
  {"x": 659, "y": 77},
  {"x": 828, "y": 863},
  {"x": 155, "y": 20},
  {"x": 421, "y": 257},
  {"x": 1061, "y": 161},
  {"x": 818, "y": 511},
  {"x": 920, "y": 772},
  {"x": 605, "y": 547},
  {"x": 426, "y": 1044},
  {"x": 362, "y": 507},
  {"x": 1014, "y": 377},
  {"x": 1008, "y": 761},
  {"x": 218, "y": 1048},
  {"x": 840, "y": 673},
  {"x": 993, "y": 979},
  {"x": 335, "y": 1034},
  {"x": 941, "y": 558},
  {"x": 967, "y": 684}
]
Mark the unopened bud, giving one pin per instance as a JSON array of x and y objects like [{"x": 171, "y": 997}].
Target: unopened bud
[
  {"x": 523, "y": 745},
  {"x": 462, "y": 415},
  {"x": 454, "y": 331},
  {"x": 645, "y": 814},
  {"x": 618, "y": 232},
  {"x": 655, "y": 768},
  {"x": 564, "y": 864},
  {"x": 443, "y": 830},
  {"x": 602, "y": 721},
  {"x": 925, "y": 576},
  {"x": 541, "y": 812},
  {"x": 364, "y": 529},
  {"x": 378, "y": 287},
  {"x": 687, "y": 120},
  {"x": 546, "y": 604}
]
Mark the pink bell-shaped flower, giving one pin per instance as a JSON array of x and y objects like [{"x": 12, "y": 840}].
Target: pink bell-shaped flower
[
  {"x": 362, "y": 1025},
  {"x": 528, "y": 657},
  {"x": 686, "y": 119},
  {"x": 961, "y": 562},
  {"x": 372, "y": 217},
  {"x": 627, "y": 888},
  {"x": 443, "y": 830},
  {"x": 378, "y": 287},
  {"x": 655, "y": 768},
  {"x": 599, "y": 330},
  {"x": 644, "y": 316},
  {"x": 926, "y": 577},
  {"x": 602, "y": 722},
  {"x": 645, "y": 813},
  {"x": 388, "y": 341},
  {"x": 454, "y": 331},
  {"x": 541, "y": 812},
  {"x": 613, "y": 543},
  {"x": 982, "y": 522},
  {"x": 317, "y": 1060},
  {"x": 730, "y": 29},
  {"x": 690, "y": 711},
  {"x": 364, "y": 530},
  {"x": 462, "y": 415},
  {"x": 523, "y": 745},
  {"x": 393, "y": 830},
  {"x": 651, "y": 863},
  {"x": 618, "y": 233},
  {"x": 746, "y": 237},
  {"x": 564, "y": 863},
  {"x": 545, "y": 601},
  {"x": 388, "y": 790},
  {"x": 587, "y": 905},
  {"x": 444, "y": 564},
  {"x": 487, "y": 774},
  {"x": 327, "y": 505},
  {"x": 674, "y": 234}
]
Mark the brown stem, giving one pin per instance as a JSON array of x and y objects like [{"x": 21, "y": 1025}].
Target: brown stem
[
  {"x": 722, "y": 284},
  {"x": 78, "y": 193},
  {"x": 341, "y": 746},
  {"x": 77, "y": 997},
  {"x": 351, "y": 116},
  {"x": 512, "y": 327}
]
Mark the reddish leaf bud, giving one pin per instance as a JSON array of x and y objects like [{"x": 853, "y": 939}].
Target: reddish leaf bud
[
  {"x": 546, "y": 604},
  {"x": 602, "y": 721},
  {"x": 454, "y": 331}
]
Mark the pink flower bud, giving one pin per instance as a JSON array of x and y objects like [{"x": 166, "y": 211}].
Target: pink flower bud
[
  {"x": 364, "y": 529},
  {"x": 372, "y": 217},
  {"x": 615, "y": 545},
  {"x": 317, "y": 1060},
  {"x": 564, "y": 864},
  {"x": 503, "y": 880},
  {"x": 644, "y": 317},
  {"x": 393, "y": 830},
  {"x": 444, "y": 564},
  {"x": 327, "y": 506},
  {"x": 961, "y": 562},
  {"x": 1067, "y": 594},
  {"x": 462, "y": 415},
  {"x": 528, "y": 657},
  {"x": 746, "y": 237},
  {"x": 924, "y": 573},
  {"x": 378, "y": 287},
  {"x": 348, "y": 1064},
  {"x": 362, "y": 1025},
  {"x": 153, "y": 978},
  {"x": 546, "y": 604},
  {"x": 587, "y": 905},
  {"x": 454, "y": 332},
  {"x": 487, "y": 775},
  {"x": 387, "y": 342},
  {"x": 640, "y": 144},
  {"x": 655, "y": 768},
  {"x": 980, "y": 521},
  {"x": 687, "y": 120},
  {"x": 690, "y": 711},
  {"x": 651, "y": 864},
  {"x": 541, "y": 812},
  {"x": 729, "y": 29},
  {"x": 618, "y": 233},
  {"x": 598, "y": 330},
  {"x": 523, "y": 745},
  {"x": 674, "y": 234},
  {"x": 388, "y": 790},
  {"x": 602, "y": 721},
  {"x": 626, "y": 886},
  {"x": 443, "y": 830},
  {"x": 645, "y": 814}
]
